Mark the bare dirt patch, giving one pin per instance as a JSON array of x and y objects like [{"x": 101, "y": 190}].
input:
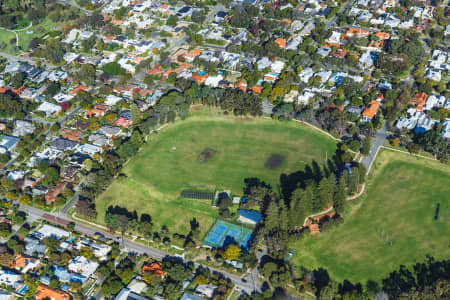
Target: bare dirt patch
[
  {"x": 274, "y": 161},
  {"x": 206, "y": 155}
]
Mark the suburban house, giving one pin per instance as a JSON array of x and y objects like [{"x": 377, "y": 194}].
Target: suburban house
[
  {"x": 8, "y": 143},
  {"x": 126, "y": 294},
  {"x": 153, "y": 268},
  {"x": 100, "y": 250},
  {"x": 64, "y": 144},
  {"x": 10, "y": 278},
  {"x": 23, "y": 128},
  {"x": 52, "y": 231},
  {"x": 370, "y": 111},
  {"x": 44, "y": 293},
  {"x": 53, "y": 194},
  {"x": 82, "y": 265},
  {"x": 25, "y": 263}
]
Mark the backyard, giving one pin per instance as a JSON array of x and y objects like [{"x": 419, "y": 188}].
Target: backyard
[
  {"x": 209, "y": 152},
  {"x": 394, "y": 224}
]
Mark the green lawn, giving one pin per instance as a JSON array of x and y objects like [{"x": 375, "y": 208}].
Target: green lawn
[
  {"x": 5, "y": 37},
  {"x": 393, "y": 225},
  {"x": 158, "y": 174},
  {"x": 38, "y": 30}
]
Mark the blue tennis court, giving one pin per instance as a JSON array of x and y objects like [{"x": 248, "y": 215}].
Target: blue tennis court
[{"x": 222, "y": 232}]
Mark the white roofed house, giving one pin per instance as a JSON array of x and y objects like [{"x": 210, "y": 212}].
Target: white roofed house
[
  {"x": 52, "y": 231},
  {"x": 366, "y": 61},
  {"x": 213, "y": 81},
  {"x": 83, "y": 266},
  {"x": 112, "y": 100},
  {"x": 100, "y": 250},
  {"x": 433, "y": 74},
  {"x": 306, "y": 74},
  {"x": 125, "y": 63},
  {"x": 434, "y": 101},
  {"x": 445, "y": 133},
  {"x": 23, "y": 128},
  {"x": 305, "y": 97},
  {"x": 263, "y": 63},
  {"x": 90, "y": 149},
  {"x": 110, "y": 131},
  {"x": 335, "y": 38},
  {"x": 98, "y": 139},
  {"x": 10, "y": 278},
  {"x": 324, "y": 75},
  {"x": 49, "y": 108}
]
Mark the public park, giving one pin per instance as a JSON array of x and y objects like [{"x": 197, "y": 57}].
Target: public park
[
  {"x": 401, "y": 219},
  {"x": 210, "y": 152}
]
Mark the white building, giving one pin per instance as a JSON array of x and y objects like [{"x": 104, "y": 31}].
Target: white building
[
  {"x": 10, "y": 278},
  {"x": 434, "y": 101},
  {"x": 49, "y": 108},
  {"x": 83, "y": 266},
  {"x": 305, "y": 97},
  {"x": 126, "y": 294},
  {"x": 306, "y": 74},
  {"x": 23, "y": 128},
  {"x": 100, "y": 250},
  {"x": 433, "y": 74},
  {"x": 51, "y": 231},
  {"x": 213, "y": 81},
  {"x": 446, "y": 129}
]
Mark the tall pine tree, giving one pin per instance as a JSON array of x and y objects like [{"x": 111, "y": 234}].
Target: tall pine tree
[
  {"x": 325, "y": 193},
  {"x": 340, "y": 194}
]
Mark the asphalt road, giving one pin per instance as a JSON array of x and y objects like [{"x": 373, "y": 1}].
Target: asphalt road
[{"x": 380, "y": 139}]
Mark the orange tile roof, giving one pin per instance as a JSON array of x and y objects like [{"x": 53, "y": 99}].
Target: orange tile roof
[
  {"x": 200, "y": 79},
  {"x": 378, "y": 44},
  {"x": 79, "y": 88},
  {"x": 44, "y": 292},
  {"x": 51, "y": 196},
  {"x": 18, "y": 91},
  {"x": 154, "y": 268},
  {"x": 123, "y": 122},
  {"x": 116, "y": 21},
  {"x": 281, "y": 43},
  {"x": 257, "y": 89},
  {"x": 420, "y": 99},
  {"x": 156, "y": 70},
  {"x": 73, "y": 135},
  {"x": 339, "y": 53},
  {"x": 242, "y": 86},
  {"x": 138, "y": 59},
  {"x": 21, "y": 261},
  {"x": 94, "y": 113},
  {"x": 383, "y": 35},
  {"x": 269, "y": 77},
  {"x": 193, "y": 53},
  {"x": 371, "y": 109},
  {"x": 358, "y": 31}
]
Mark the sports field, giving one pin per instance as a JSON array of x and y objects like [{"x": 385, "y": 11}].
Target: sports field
[
  {"x": 206, "y": 152},
  {"x": 394, "y": 224}
]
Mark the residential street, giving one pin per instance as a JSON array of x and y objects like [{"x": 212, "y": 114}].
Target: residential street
[
  {"x": 129, "y": 245},
  {"x": 380, "y": 139}
]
